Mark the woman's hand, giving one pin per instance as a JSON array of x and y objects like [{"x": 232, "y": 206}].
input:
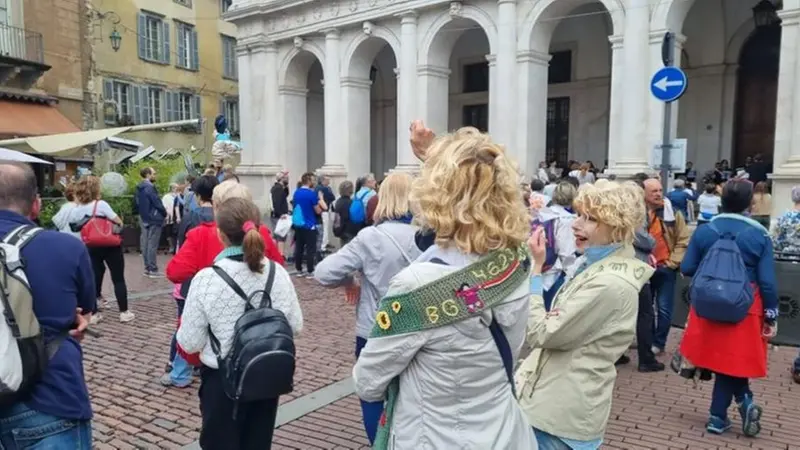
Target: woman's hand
[
  {"x": 537, "y": 244},
  {"x": 81, "y": 324},
  {"x": 421, "y": 139},
  {"x": 352, "y": 292}
]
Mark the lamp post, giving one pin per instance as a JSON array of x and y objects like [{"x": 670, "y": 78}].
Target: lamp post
[{"x": 765, "y": 14}]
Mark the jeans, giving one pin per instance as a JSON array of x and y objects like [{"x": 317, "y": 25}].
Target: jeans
[
  {"x": 305, "y": 244},
  {"x": 645, "y": 320},
  {"x": 546, "y": 441},
  {"x": 115, "y": 260},
  {"x": 24, "y": 428},
  {"x": 252, "y": 428},
  {"x": 149, "y": 239},
  {"x": 181, "y": 373},
  {"x": 370, "y": 411},
  {"x": 727, "y": 388},
  {"x": 662, "y": 285},
  {"x": 796, "y": 368}
]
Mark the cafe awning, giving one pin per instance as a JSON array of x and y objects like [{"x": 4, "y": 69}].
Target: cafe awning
[{"x": 32, "y": 119}]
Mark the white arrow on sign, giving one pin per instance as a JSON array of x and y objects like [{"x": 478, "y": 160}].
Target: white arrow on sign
[{"x": 665, "y": 83}]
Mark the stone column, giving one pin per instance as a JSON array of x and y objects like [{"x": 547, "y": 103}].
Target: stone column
[
  {"x": 293, "y": 129},
  {"x": 632, "y": 156},
  {"x": 531, "y": 122},
  {"x": 506, "y": 106},
  {"x": 434, "y": 96},
  {"x": 262, "y": 155},
  {"x": 786, "y": 157},
  {"x": 406, "y": 91},
  {"x": 617, "y": 88},
  {"x": 336, "y": 154},
  {"x": 494, "y": 103},
  {"x": 355, "y": 123}
]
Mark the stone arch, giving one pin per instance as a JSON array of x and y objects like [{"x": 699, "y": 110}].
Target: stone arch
[
  {"x": 670, "y": 14},
  {"x": 737, "y": 41},
  {"x": 540, "y": 22},
  {"x": 295, "y": 64},
  {"x": 436, "y": 47},
  {"x": 363, "y": 49}
]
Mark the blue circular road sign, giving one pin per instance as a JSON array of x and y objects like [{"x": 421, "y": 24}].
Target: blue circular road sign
[{"x": 668, "y": 84}]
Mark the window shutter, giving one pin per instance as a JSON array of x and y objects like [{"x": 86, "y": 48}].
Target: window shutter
[
  {"x": 137, "y": 104},
  {"x": 170, "y": 106},
  {"x": 165, "y": 42},
  {"x": 176, "y": 105},
  {"x": 108, "y": 95},
  {"x": 195, "y": 52},
  {"x": 144, "y": 92},
  {"x": 181, "y": 45},
  {"x": 142, "y": 30},
  {"x": 196, "y": 111},
  {"x": 222, "y": 106},
  {"x": 226, "y": 57}
]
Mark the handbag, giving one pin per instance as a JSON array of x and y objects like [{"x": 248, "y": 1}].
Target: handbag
[{"x": 100, "y": 232}]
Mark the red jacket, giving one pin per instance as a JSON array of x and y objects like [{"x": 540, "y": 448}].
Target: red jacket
[{"x": 201, "y": 247}]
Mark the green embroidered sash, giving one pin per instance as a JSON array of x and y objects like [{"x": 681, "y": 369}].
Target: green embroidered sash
[{"x": 455, "y": 297}]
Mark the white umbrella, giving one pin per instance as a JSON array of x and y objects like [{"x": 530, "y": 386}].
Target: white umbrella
[{"x": 15, "y": 156}]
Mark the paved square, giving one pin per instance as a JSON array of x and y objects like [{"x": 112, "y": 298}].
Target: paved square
[{"x": 133, "y": 411}]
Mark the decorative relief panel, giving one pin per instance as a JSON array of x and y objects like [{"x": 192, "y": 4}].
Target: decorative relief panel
[{"x": 318, "y": 12}]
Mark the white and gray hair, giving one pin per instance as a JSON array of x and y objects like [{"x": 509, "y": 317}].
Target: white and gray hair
[{"x": 796, "y": 194}]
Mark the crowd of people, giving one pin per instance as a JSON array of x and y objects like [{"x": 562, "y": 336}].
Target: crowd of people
[{"x": 454, "y": 274}]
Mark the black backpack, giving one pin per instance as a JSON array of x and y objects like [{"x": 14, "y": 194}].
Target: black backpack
[{"x": 260, "y": 364}]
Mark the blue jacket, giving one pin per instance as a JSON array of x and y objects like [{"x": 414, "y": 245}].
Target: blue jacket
[
  {"x": 151, "y": 209},
  {"x": 680, "y": 201},
  {"x": 60, "y": 275},
  {"x": 755, "y": 245}
]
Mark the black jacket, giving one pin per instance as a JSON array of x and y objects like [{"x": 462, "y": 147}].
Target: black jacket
[{"x": 280, "y": 200}]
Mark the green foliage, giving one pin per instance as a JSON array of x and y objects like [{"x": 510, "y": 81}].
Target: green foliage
[
  {"x": 123, "y": 206},
  {"x": 165, "y": 169},
  {"x": 50, "y": 207}
]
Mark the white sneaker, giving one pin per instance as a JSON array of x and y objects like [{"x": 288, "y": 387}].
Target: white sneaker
[
  {"x": 96, "y": 318},
  {"x": 126, "y": 316}
]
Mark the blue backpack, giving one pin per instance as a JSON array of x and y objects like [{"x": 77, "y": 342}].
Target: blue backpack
[
  {"x": 720, "y": 289},
  {"x": 298, "y": 219},
  {"x": 358, "y": 211}
]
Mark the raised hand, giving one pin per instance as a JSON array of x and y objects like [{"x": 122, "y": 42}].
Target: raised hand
[
  {"x": 537, "y": 244},
  {"x": 421, "y": 139}
]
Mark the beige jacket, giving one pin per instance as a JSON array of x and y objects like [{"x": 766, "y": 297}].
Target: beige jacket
[{"x": 565, "y": 385}]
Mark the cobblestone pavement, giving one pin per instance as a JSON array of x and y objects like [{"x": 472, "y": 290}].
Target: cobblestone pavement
[{"x": 132, "y": 410}]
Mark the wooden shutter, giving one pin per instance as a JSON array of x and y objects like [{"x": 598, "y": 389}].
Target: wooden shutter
[
  {"x": 196, "y": 111},
  {"x": 137, "y": 104},
  {"x": 180, "y": 31},
  {"x": 144, "y": 92},
  {"x": 226, "y": 57},
  {"x": 142, "y": 29},
  {"x": 165, "y": 42},
  {"x": 168, "y": 98},
  {"x": 108, "y": 95},
  {"x": 195, "y": 53}
]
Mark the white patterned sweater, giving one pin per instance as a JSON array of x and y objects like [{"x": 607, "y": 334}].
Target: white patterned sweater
[{"x": 211, "y": 302}]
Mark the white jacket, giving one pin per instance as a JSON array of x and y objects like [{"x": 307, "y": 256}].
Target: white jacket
[{"x": 565, "y": 242}]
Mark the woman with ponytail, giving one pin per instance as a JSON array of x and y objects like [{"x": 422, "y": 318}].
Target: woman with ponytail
[{"x": 212, "y": 304}]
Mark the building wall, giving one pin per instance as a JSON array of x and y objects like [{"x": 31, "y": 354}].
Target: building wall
[
  {"x": 59, "y": 22},
  {"x": 125, "y": 65}
]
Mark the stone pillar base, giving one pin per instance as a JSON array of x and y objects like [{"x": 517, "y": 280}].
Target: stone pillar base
[
  {"x": 625, "y": 170},
  {"x": 259, "y": 178},
  {"x": 411, "y": 169}
]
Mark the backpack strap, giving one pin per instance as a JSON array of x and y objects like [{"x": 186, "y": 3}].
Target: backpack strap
[
  {"x": 396, "y": 244},
  {"x": 229, "y": 281},
  {"x": 266, "y": 299}
]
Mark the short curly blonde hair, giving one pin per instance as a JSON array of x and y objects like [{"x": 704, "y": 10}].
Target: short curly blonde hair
[
  {"x": 468, "y": 194},
  {"x": 230, "y": 189},
  {"x": 618, "y": 205}
]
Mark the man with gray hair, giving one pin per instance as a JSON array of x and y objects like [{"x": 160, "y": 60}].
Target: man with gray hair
[{"x": 53, "y": 411}]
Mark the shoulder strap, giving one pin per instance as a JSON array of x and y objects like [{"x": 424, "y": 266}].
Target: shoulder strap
[
  {"x": 500, "y": 341},
  {"x": 266, "y": 299},
  {"x": 19, "y": 238},
  {"x": 229, "y": 281},
  {"x": 94, "y": 210},
  {"x": 396, "y": 244}
]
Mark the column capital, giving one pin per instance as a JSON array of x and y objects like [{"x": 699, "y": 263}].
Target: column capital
[
  {"x": 356, "y": 82},
  {"x": 616, "y": 41},
  {"x": 657, "y": 37},
  {"x": 789, "y": 17},
  {"x": 331, "y": 33},
  {"x": 492, "y": 59},
  {"x": 532, "y": 56},
  {"x": 293, "y": 91},
  {"x": 396, "y": 71},
  {"x": 408, "y": 17},
  {"x": 257, "y": 43},
  {"x": 433, "y": 71},
  {"x": 500, "y": 2}
]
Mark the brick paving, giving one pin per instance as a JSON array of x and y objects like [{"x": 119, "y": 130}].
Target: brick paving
[{"x": 133, "y": 411}]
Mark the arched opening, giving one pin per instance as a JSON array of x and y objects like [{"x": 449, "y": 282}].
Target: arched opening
[
  {"x": 303, "y": 118},
  {"x": 383, "y": 112},
  {"x": 757, "y": 95}
]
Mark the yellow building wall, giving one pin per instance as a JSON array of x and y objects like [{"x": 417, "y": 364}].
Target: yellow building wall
[{"x": 125, "y": 64}]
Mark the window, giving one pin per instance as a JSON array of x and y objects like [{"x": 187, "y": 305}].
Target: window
[
  {"x": 153, "y": 38},
  {"x": 557, "y": 138},
  {"x": 186, "y": 3},
  {"x": 230, "y": 67},
  {"x": 225, "y": 5},
  {"x": 229, "y": 107},
  {"x": 182, "y": 105},
  {"x": 120, "y": 93},
  {"x": 4, "y": 12},
  {"x": 560, "y": 69},
  {"x": 476, "y": 77},
  {"x": 188, "y": 56},
  {"x": 153, "y": 105},
  {"x": 476, "y": 116}
]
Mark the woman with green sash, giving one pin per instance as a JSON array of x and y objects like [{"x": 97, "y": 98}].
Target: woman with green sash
[
  {"x": 566, "y": 384},
  {"x": 452, "y": 323}
]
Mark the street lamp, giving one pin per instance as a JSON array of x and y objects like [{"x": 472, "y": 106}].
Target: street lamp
[
  {"x": 765, "y": 14},
  {"x": 116, "y": 39}
]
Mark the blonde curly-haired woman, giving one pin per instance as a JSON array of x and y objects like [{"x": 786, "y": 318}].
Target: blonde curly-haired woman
[
  {"x": 452, "y": 323},
  {"x": 565, "y": 386}
]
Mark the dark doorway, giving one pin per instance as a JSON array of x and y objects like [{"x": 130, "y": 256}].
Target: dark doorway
[
  {"x": 558, "y": 130},
  {"x": 757, "y": 95},
  {"x": 476, "y": 116}
]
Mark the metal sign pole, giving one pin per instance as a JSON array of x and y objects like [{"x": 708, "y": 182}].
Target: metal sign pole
[{"x": 668, "y": 57}]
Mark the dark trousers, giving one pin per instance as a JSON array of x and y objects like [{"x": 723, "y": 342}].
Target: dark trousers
[
  {"x": 305, "y": 244},
  {"x": 726, "y": 388},
  {"x": 115, "y": 260},
  {"x": 173, "y": 346},
  {"x": 371, "y": 412},
  {"x": 251, "y": 430},
  {"x": 645, "y": 321}
]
